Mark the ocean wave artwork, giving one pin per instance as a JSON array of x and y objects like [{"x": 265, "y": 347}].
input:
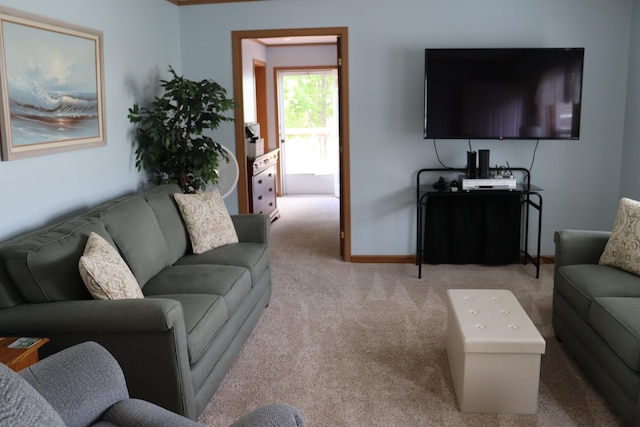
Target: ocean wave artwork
[
  {"x": 40, "y": 115},
  {"x": 53, "y": 86}
]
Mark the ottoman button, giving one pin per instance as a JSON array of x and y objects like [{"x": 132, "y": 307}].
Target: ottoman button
[
  {"x": 514, "y": 326},
  {"x": 479, "y": 326}
]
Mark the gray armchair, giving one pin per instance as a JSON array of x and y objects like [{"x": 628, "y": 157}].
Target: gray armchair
[{"x": 83, "y": 385}]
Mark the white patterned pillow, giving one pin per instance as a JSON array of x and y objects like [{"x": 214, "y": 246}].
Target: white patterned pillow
[
  {"x": 207, "y": 220},
  {"x": 105, "y": 273},
  {"x": 623, "y": 248}
]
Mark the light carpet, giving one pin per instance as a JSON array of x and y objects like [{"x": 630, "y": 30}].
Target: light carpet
[{"x": 364, "y": 344}]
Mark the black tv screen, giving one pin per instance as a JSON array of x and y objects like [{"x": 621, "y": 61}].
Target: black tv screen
[{"x": 524, "y": 93}]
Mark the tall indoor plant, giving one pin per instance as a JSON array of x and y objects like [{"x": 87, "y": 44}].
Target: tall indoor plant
[{"x": 170, "y": 133}]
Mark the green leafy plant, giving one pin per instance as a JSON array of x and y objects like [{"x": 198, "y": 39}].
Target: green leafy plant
[{"x": 170, "y": 134}]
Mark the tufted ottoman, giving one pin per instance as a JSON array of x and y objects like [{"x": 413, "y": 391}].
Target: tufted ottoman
[{"x": 494, "y": 352}]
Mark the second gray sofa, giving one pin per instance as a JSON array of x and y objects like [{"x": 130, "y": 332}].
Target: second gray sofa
[
  {"x": 177, "y": 343},
  {"x": 595, "y": 316}
]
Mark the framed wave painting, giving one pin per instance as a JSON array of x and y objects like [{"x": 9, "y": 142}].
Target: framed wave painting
[{"x": 51, "y": 86}]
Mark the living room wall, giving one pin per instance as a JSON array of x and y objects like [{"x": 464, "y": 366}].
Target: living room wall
[
  {"x": 386, "y": 45},
  {"x": 140, "y": 41},
  {"x": 630, "y": 176}
]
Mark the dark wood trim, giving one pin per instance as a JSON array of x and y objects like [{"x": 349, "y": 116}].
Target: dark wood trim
[
  {"x": 384, "y": 259},
  {"x": 241, "y": 155},
  {"x": 345, "y": 150}
]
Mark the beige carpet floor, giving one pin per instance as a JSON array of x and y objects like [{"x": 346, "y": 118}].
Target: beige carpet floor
[{"x": 364, "y": 344}]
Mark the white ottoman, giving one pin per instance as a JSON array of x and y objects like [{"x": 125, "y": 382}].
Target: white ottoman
[{"x": 494, "y": 352}]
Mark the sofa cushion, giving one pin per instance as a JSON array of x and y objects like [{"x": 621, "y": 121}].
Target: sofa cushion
[
  {"x": 45, "y": 265},
  {"x": 168, "y": 214},
  {"x": 136, "y": 232},
  {"x": 623, "y": 247},
  {"x": 204, "y": 315},
  {"x": 616, "y": 320},
  {"x": 105, "y": 273},
  {"x": 580, "y": 284},
  {"x": 254, "y": 256},
  {"x": 230, "y": 282},
  {"x": 208, "y": 221}
]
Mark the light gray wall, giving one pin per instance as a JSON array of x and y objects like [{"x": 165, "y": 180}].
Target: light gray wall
[
  {"x": 140, "y": 41},
  {"x": 251, "y": 51},
  {"x": 386, "y": 45},
  {"x": 630, "y": 177}
]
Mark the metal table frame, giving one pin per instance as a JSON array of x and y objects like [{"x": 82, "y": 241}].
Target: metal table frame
[{"x": 530, "y": 197}]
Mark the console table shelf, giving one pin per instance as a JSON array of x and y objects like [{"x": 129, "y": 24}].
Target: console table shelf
[{"x": 488, "y": 226}]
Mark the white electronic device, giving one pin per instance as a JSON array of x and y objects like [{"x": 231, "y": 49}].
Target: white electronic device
[{"x": 488, "y": 184}]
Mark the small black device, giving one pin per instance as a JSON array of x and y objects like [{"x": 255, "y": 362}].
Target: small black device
[
  {"x": 441, "y": 184},
  {"x": 483, "y": 164},
  {"x": 471, "y": 164}
]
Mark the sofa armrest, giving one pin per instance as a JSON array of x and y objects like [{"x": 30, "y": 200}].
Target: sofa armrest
[
  {"x": 579, "y": 246},
  {"x": 147, "y": 336},
  {"x": 276, "y": 414},
  {"x": 252, "y": 228},
  {"x": 140, "y": 413}
]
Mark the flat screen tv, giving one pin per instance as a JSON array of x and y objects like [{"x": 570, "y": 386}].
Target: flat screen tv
[{"x": 523, "y": 93}]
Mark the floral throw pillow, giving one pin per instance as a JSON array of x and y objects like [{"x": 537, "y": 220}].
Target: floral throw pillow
[
  {"x": 105, "y": 273},
  {"x": 207, "y": 220},
  {"x": 623, "y": 248}
]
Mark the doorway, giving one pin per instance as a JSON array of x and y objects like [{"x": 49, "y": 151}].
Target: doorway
[
  {"x": 341, "y": 34},
  {"x": 307, "y": 103}
]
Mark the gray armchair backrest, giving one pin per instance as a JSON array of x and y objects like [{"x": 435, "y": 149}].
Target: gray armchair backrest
[
  {"x": 80, "y": 383},
  {"x": 21, "y": 405}
]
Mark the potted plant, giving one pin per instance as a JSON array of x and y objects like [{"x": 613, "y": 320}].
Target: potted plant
[{"x": 172, "y": 144}]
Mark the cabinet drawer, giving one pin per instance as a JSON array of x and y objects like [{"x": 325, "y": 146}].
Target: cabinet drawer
[
  {"x": 265, "y": 181},
  {"x": 265, "y": 205}
]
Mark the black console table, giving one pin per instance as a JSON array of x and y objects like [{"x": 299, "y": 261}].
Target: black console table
[{"x": 474, "y": 226}]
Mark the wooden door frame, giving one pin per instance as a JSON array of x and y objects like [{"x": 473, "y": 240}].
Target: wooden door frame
[
  {"x": 260, "y": 73},
  {"x": 238, "y": 89}
]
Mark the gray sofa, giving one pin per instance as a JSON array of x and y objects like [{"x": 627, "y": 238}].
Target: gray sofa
[
  {"x": 83, "y": 385},
  {"x": 596, "y": 316},
  {"x": 176, "y": 344}
]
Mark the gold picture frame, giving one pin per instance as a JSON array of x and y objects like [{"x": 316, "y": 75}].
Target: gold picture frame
[{"x": 51, "y": 86}]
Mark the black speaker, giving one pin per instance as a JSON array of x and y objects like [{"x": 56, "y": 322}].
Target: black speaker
[
  {"x": 484, "y": 163},
  {"x": 471, "y": 164}
]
